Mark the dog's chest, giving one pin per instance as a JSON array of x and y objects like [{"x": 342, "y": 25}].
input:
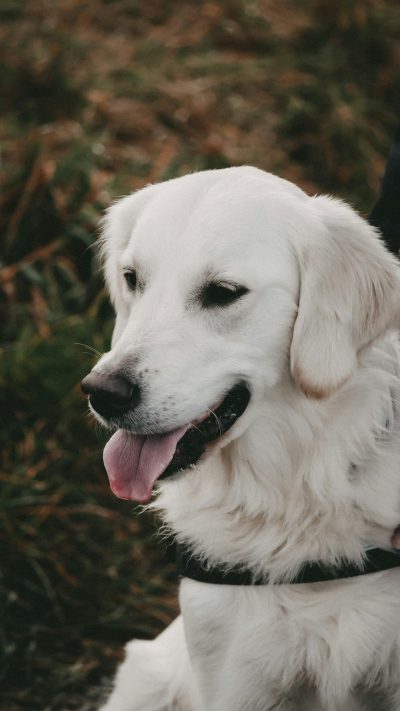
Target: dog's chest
[
  {"x": 276, "y": 647},
  {"x": 238, "y": 648}
]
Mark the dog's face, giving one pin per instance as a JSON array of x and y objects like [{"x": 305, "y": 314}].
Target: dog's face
[{"x": 205, "y": 273}]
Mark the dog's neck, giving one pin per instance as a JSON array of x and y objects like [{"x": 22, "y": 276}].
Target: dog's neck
[{"x": 303, "y": 482}]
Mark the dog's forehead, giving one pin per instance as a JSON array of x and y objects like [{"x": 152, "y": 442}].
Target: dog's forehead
[{"x": 214, "y": 216}]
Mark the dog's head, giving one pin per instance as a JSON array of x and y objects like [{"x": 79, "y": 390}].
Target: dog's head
[{"x": 227, "y": 284}]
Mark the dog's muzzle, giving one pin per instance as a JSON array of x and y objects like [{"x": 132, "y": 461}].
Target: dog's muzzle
[{"x": 134, "y": 462}]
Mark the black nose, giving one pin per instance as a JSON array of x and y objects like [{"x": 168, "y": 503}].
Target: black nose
[{"x": 110, "y": 395}]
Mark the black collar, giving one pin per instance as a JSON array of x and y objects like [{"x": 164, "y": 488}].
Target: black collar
[{"x": 190, "y": 566}]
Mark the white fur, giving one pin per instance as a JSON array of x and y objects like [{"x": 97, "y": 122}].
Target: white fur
[{"x": 311, "y": 471}]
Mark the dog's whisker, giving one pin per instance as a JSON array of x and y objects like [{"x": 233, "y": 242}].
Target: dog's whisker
[
  {"x": 221, "y": 432},
  {"x": 89, "y": 349},
  {"x": 193, "y": 426}
]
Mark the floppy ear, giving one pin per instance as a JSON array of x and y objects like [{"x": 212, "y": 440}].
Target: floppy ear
[{"x": 349, "y": 295}]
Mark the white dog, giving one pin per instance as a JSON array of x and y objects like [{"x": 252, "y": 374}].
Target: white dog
[{"x": 239, "y": 295}]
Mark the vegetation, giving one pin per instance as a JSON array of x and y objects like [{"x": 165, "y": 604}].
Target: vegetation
[{"x": 99, "y": 98}]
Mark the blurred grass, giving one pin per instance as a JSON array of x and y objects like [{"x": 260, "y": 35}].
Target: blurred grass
[{"x": 99, "y": 99}]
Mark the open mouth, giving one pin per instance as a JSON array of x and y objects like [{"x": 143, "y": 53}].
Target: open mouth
[
  {"x": 191, "y": 446},
  {"x": 135, "y": 462}
]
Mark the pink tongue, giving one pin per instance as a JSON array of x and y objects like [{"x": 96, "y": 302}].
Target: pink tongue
[{"x": 134, "y": 462}]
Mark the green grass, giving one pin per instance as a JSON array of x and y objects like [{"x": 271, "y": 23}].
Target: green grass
[{"x": 97, "y": 101}]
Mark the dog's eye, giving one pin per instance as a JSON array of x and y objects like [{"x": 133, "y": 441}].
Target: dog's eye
[
  {"x": 131, "y": 279},
  {"x": 221, "y": 294}
]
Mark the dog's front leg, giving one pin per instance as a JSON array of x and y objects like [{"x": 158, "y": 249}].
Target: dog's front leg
[{"x": 156, "y": 675}]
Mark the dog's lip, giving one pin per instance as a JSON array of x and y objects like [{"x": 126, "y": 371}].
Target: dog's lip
[{"x": 206, "y": 413}]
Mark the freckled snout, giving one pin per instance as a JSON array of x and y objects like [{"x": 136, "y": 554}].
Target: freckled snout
[{"x": 111, "y": 395}]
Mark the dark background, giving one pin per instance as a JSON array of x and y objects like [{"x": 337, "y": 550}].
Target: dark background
[{"x": 98, "y": 98}]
